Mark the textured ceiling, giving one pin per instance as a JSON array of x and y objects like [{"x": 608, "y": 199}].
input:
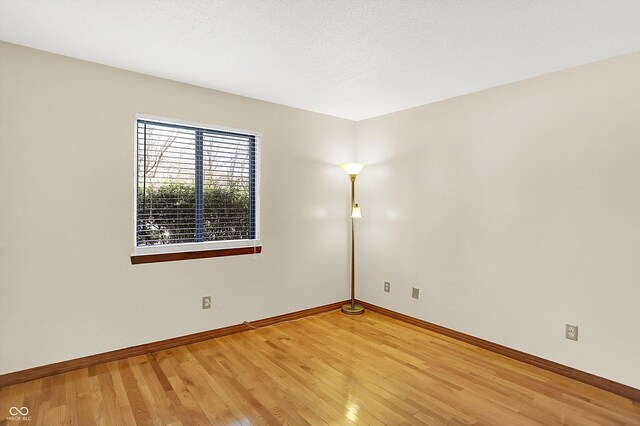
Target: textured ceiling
[{"x": 353, "y": 59}]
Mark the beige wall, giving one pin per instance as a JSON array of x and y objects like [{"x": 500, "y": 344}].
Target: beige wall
[
  {"x": 515, "y": 210},
  {"x": 67, "y": 288}
]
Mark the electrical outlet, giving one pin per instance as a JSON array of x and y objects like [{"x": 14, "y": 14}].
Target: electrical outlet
[
  {"x": 415, "y": 293},
  {"x": 206, "y": 302},
  {"x": 571, "y": 332},
  {"x": 387, "y": 286}
]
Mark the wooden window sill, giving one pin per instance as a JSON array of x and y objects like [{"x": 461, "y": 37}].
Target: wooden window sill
[{"x": 187, "y": 255}]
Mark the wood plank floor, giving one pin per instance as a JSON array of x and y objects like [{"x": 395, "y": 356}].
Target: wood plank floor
[{"x": 325, "y": 369}]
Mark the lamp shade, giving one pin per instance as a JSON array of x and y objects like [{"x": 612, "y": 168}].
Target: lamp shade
[
  {"x": 352, "y": 168},
  {"x": 355, "y": 212}
]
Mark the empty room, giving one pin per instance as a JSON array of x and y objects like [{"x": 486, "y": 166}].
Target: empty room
[{"x": 319, "y": 212}]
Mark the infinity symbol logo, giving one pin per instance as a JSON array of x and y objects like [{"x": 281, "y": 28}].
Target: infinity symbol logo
[{"x": 14, "y": 411}]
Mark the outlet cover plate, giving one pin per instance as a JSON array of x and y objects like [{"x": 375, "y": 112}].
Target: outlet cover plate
[
  {"x": 571, "y": 332},
  {"x": 415, "y": 293},
  {"x": 387, "y": 286},
  {"x": 206, "y": 302}
]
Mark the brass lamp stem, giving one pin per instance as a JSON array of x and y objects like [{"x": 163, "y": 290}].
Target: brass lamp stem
[
  {"x": 353, "y": 244},
  {"x": 352, "y": 308}
]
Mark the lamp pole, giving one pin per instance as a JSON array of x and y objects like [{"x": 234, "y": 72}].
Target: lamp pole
[{"x": 353, "y": 243}]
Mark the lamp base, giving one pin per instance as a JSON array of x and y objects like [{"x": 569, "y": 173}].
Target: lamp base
[{"x": 352, "y": 310}]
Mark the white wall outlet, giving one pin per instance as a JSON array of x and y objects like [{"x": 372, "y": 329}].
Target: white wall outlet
[
  {"x": 415, "y": 293},
  {"x": 387, "y": 286},
  {"x": 206, "y": 302},
  {"x": 571, "y": 332}
]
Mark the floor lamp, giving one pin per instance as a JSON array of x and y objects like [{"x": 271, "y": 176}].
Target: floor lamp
[{"x": 352, "y": 170}]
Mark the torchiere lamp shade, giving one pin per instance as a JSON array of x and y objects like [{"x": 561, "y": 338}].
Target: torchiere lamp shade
[{"x": 352, "y": 169}]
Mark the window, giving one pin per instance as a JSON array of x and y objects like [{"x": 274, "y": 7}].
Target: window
[{"x": 196, "y": 191}]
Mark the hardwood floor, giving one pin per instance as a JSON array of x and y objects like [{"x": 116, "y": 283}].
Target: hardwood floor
[{"x": 324, "y": 369}]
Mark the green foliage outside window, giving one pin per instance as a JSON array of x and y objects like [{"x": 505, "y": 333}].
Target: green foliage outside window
[{"x": 166, "y": 213}]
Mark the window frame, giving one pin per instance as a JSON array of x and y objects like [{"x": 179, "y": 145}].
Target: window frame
[{"x": 182, "y": 251}]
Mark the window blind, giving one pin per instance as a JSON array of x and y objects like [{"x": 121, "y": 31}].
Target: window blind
[{"x": 194, "y": 185}]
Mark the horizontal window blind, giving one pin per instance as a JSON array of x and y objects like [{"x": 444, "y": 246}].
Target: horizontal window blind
[{"x": 194, "y": 185}]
